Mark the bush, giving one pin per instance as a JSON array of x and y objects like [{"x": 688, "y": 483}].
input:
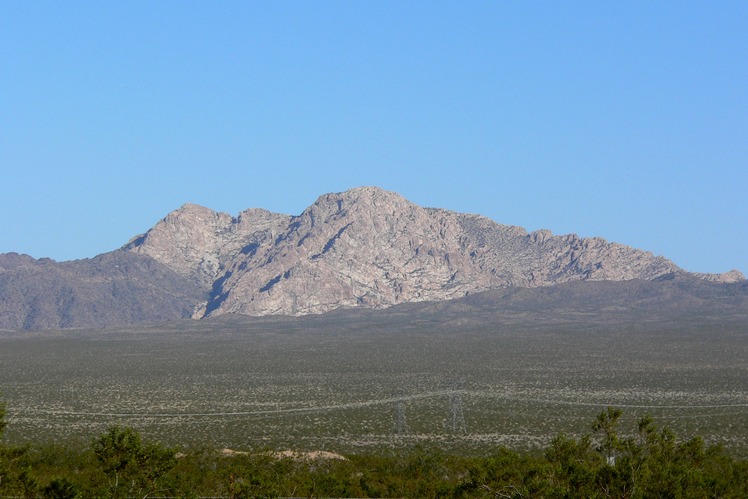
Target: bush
[
  {"x": 132, "y": 468},
  {"x": 647, "y": 462}
]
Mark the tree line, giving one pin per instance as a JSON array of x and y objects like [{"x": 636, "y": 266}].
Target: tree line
[{"x": 649, "y": 461}]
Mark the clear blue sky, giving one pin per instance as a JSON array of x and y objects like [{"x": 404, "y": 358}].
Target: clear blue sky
[{"x": 624, "y": 120}]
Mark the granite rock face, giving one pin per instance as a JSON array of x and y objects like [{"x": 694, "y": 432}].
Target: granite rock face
[
  {"x": 195, "y": 241},
  {"x": 368, "y": 247}
]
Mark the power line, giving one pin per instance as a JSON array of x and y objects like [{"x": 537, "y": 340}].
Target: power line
[
  {"x": 457, "y": 417},
  {"x": 401, "y": 424}
]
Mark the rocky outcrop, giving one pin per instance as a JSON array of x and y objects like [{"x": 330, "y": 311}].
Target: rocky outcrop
[
  {"x": 194, "y": 241},
  {"x": 725, "y": 277},
  {"x": 367, "y": 247}
]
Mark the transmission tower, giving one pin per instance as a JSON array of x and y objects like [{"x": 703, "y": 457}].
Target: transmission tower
[
  {"x": 401, "y": 424},
  {"x": 457, "y": 418}
]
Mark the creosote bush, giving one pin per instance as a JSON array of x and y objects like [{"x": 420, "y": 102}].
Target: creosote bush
[
  {"x": 132, "y": 468},
  {"x": 646, "y": 462}
]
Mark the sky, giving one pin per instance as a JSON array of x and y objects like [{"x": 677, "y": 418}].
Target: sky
[{"x": 621, "y": 120}]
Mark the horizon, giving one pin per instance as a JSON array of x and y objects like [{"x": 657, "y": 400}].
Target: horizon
[
  {"x": 234, "y": 215},
  {"x": 628, "y": 123}
]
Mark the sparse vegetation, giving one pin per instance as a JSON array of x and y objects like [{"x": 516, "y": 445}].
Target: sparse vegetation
[
  {"x": 525, "y": 394},
  {"x": 228, "y": 385},
  {"x": 652, "y": 463}
]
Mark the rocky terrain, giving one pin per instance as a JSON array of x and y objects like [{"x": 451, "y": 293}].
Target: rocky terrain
[
  {"x": 367, "y": 247},
  {"x": 363, "y": 248}
]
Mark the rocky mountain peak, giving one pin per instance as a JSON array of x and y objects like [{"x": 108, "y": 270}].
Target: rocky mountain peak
[
  {"x": 366, "y": 247},
  {"x": 186, "y": 240},
  {"x": 194, "y": 241},
  {"x": 373, "y": 200},
  {"x": 373, "y": 248}
]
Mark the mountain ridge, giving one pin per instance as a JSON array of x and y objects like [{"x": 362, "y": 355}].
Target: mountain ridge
[
  {"x": 112, "y": 288},
  {"x": 374, "y": 248},
  {"x": 361, "y": 248}
]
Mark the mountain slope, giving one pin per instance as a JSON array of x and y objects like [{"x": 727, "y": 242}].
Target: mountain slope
[{"x": 114, "y": 288}]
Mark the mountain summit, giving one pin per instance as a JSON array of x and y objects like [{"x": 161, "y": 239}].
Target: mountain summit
[
  {"x": 363, "y": 248},
  {"x": 368, "y": 247}
]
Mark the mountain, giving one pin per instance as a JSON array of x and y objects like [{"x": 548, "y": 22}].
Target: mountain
[
  {"x": 368, "y": 247},
  {"x": 365, "y": 248},
  {"x": 680, "y": 304},
  {"x": 114, "y": 288}
]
